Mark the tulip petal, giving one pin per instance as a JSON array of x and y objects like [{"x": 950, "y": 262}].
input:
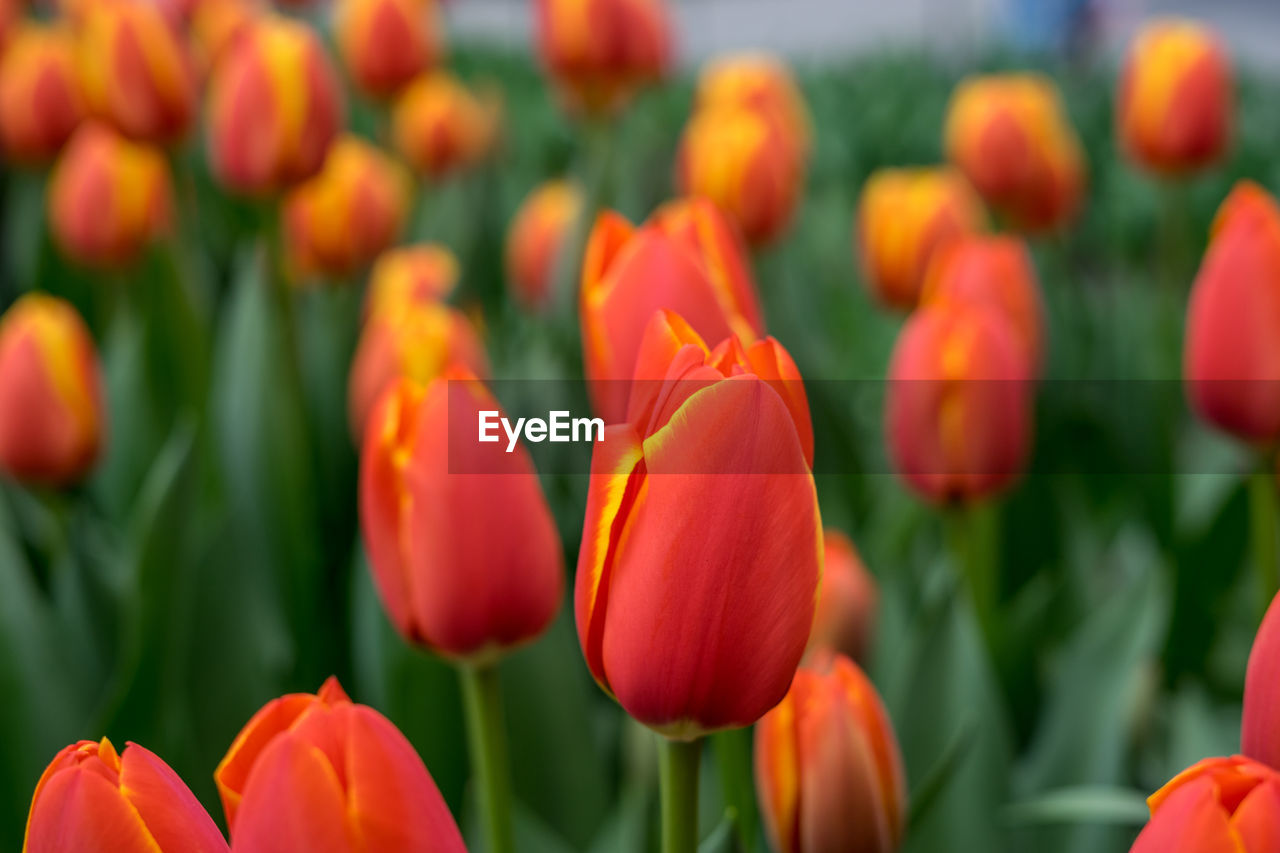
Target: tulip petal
[
  {"x": 1260, "y": 735},
  {"x": 166, "y": 805},
  {"x": 293, "y": 801},
  {"x": 79, "y": 809},
  {"x": 1190, "y": 820},
  {"x": 232, "y": 774},
  {"x": 1257, "y": 819}
]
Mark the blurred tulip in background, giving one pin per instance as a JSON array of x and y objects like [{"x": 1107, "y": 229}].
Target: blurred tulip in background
[
  {"x": 1260, "y": 735},
  {"x": 440, "y": 126},
  {"x": 760, "y": 82},
  {"x": 421, "y": 274},
  {"x": 846, "y": 612},
  {"x": 215, "y": 25},
  {"x": 40, "y": 99},
  {"x": 536, "y": 240},
  {"x": 386, "y": 43}
]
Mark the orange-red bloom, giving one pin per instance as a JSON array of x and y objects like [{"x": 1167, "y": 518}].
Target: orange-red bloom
[
  {"x": 439, "y": 126},
  {"x": 685, "y": 258},
  {"x": 463, "y": 548},
  {"x": 1175, "y": 102},
  {"x": 50, "y": 392},
  {"x": 600, "y": 52},
  {"x": 828, "y": 771},
  {"x": 40, "y": 100},
  {"x": 1260, "y": 735},
  {"x": 958, "y": 410},
  {"x": 1232, "y": 354},
  {"x": 215, "y": 25},
  {"x": 386, "y": 43},
  {"x": 701, "y": 550},
  {"x": 321, "y": 773},
  {"x": 340, "y": 220},
  {"x": 904, "y": 216},
  {"x": 108, "y": 197},
  {"x": 274, "y": 105},
  {"x": 1012, "y": 138},
  {"x": 759, "y": 82},
  {"x": 845, "y": 619},
  {"x": 135, "y": 70},
  {"x": 995, "y": 271},
  {"x": 1219, "y": 804},
  {"x": 93, "y": 798},
  {"x": 536, "y": 240},
  {"x": 410, "y": 275}
]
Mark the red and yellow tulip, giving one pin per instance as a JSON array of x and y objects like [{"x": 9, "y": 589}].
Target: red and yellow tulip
[
  {"x": 94, "y": 798},
  {"x": 846, "y": 614},
  {"x": 322, "y": 773},
  {"x": 537, "y": 238},
  {"x": 1175, "y": 103},
  {"x": 685, "y": 258},
  {"x": 40, "y": 99},
  {"x": 386, "y": 43},
  {"x": 828, "y": 772},
  {"x": 439, "y": 126},
  {"x": 759, "y": 82},
  {"x": 701, "y": 502},
  {"x": 410, "y": 275},
  {"x": 49, "y": 372},
  {"x": 1227, "y": 804},
  {"x": 215, "y": 25}
]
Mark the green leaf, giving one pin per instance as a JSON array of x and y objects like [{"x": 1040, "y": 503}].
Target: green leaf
[
  {"x": 1082, "y": 805},
  {"x": 721, "y": 839}
]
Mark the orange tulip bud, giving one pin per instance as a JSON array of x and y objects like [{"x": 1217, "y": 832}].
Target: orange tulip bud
[
  {"x": 323, "y": 773},
  {"x": 93, "y": 798},
  {"x": 1232, "y": 353},
  {"x": 40, "y": 99},
  {"x": 135, "y": 70},
  {"x": 1011, "y": 136},
  {"x": 759, "y": 82},
  {"x": 685, "y": 258},
  {"x": 467, "y": 564},
  {"x": 995, "y": 271},
  {"x": 1175, "y": 101},
  {"x": 275, "y": 105},
  {"x": 411, "y": 275},
  {"x": 904, "y": 216},
  {"x": 386, "y": 43},
  {"x": 537, "y": 238},
  {"x": 1217, "y": 804},
  {"x": 702, "y": 521},
  {"x": 600, "y": 52},
  {"x": 50, "y": 392},
  {"x": 340, "y": 220},
  {"x": 1260, "y": 737},
  {"x": 440, "y": 127},
  {"x": 958, "y": 409},
  {"x": 416, "y": 342},
  {"x": 108, "y": 197},
  {"x": 845, "y": 620},
  {"x": 828, "y": 772},
  {"x": 215, "y": 25}
]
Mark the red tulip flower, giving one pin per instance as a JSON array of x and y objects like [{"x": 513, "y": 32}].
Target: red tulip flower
[
  {"x": 1260, "y": 738},
  {"x": 1220, "y": 804}
]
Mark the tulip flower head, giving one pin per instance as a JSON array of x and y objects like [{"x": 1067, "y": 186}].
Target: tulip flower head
[
  {"x": 410, "y": 275},
  {"x": 600, "y": 52},
  {"x": 386, "y": 43},
  {"x": 1217, "y": 804},
  {"x": 323, "y": 773},
  {"x": 40, "y": 100},
  {"x": 686, "y": 258},
  {"x": 51, "y": 410},
  {"x": 1232, "y": 352},
  {"x": 828, "y": 772},
  {"x": 467, "y": 563},
  {"x": 904, "y": 217},
  {"x": 275, "y": 105},
  {"x": 94, "y": 798},
  {"x": 1175, "y": 101},
  {"x": 108, "y": 198},
  {"x": 1012, "y": 138},
  {"x": 701, "y": 550},
  {"x": 215, "y": 25},
  {"x": 440, "y": 127},
  {"x": 845, "y": 618},
  {"x": 1260, "y": 737},
  {"x": 537, "y": 238},
  {"x": 759, "y": 82}
]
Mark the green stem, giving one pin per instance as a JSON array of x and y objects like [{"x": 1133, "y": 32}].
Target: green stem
[
  {"x": 1262, "y": 529},
  {"x": 678, "y": 777},
  {"x": 487, "y": 742},
  {"x": 733, "y": 755},
  {"x": 973, "y": 544}
]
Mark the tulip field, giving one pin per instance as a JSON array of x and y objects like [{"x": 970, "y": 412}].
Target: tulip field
[{"x": 410, "y": 444}]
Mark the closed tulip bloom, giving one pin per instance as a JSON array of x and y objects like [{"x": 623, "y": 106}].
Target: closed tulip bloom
[
  {"x": 1175, "y": 102},
  {"x": 1232, "y": 351},
  {"x": 386, "y": 43},
  {"x": 40, "y": 100},
  {"x": 51, "y": 411},
  {"x": 904, "y": 216},
  {"x": 467, "y": 563},
  {"x": 135, "y": 70},
  {"x": 759, "y": 82},
  {"x": 701, "y": 549},
  {"x": 440, "y": 127},
  {"x": 1218, "y": 804},
  {"x": 958, "y": 410},
  {"x": 686, "y": 258},
  {"x": 108, "y": 197},
  {"x": 537, "y": 238},
  {"x": 93, "y": 798},
  {"x": 845, "y": 619},
  {"x": 1011, "y": 137},
  {"x": 353, "y": 209},
  {"x": 997, "y": 271},
  {"x": 417, "y": 341},
  {"x": 410, "y": 275},
  {"x": 274, "y": 106},
  {"x": 321, "y": 773},
  {"x": 600, "y": 52},
  {"x": 828, "y": 772},
  {"x": 1260, "y": 737}
]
